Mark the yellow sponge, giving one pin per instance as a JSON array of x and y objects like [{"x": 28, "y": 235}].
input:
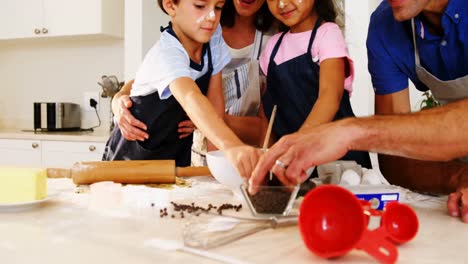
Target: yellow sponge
[{"x": 22, "y": 185}]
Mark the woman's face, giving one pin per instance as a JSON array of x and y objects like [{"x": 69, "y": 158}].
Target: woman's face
[{"x": 247, "y": 8}]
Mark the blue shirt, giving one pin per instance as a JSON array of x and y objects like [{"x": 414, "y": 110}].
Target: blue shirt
[{"x": 391, "y": 54}]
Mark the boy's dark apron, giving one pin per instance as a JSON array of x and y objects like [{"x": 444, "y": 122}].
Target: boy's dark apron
[
  {"x": 294, "y": 87},
  {"x": 162, "y": 118}
]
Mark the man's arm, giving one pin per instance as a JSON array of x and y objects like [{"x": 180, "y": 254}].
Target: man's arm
[
  {"x": 436, "y": 134},
  {"x": 439, "y": 177}
]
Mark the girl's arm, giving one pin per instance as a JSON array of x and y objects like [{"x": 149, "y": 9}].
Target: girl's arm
[{"x": 332, "y": 77}]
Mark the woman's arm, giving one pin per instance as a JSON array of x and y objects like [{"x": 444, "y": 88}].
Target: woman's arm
[
  {"x": 131, "y": 128},
  {"x": 332, "y": 76}
]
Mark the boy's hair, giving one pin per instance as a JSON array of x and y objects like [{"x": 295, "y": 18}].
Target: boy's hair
[
  {"x": 162, "y": 7},
  {"x": 263, "y": 19}
]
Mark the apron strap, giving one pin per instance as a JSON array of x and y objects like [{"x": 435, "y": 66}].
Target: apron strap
[
  {"x": 416, "y": 51},
  {"x": 257, "y": 45},
  {"x": 275, "y": 49},
  {"x": 312, "y": 37}
]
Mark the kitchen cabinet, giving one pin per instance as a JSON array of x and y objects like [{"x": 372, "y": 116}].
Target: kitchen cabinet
[
  {"x": 20, "y": 153},
  {"x": 62, "y": 154},
  {"x": 52, "y": 18},
  {"x": 48, "y": 153}
]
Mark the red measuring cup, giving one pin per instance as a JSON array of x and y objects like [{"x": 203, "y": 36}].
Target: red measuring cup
[
  {"x": 400, "y": 222},
  {"x": 332, "y": 222}
]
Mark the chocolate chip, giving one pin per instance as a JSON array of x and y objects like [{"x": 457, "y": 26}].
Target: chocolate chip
[{"x": 272, "y": 201}]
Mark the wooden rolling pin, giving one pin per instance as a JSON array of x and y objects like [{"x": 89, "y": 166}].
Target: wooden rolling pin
[{"x": 127, "y": 171}]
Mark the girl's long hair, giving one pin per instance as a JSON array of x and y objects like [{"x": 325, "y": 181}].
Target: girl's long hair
[
  {"x": 330, "y": 11},
  {"x": 263, "y": 19}
]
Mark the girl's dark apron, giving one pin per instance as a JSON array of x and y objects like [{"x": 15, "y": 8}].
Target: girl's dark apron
[
  {"x": 294, "y": 87},
  {"x": 162, "y": 118}
]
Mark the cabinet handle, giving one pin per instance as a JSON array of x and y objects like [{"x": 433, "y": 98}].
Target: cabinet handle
[
  {"x": 92, "y": 148},
  {"x": 37, "y": 31},
  {"x": 34, "y": 145},
  {"x": 45, "y": 30}
]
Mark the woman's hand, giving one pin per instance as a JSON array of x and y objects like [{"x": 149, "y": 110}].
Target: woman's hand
[
  {"x": 130, "y": 127},
  {"x": 186, "y": 128}
]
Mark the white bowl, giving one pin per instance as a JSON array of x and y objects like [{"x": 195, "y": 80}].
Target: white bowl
[{"x": 223, "y": 171}]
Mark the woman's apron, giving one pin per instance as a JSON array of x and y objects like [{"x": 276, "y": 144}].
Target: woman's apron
[
  {"x": 294, "y": 87},
  {"x": 162, "y": 118},
  {"x": 443, "y": 91},
  {"x": 241, "y": 89}
]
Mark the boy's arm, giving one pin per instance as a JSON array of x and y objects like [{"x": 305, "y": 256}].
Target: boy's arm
[
  {"x": 203, "y": 114},
  {"x": 216, "y": 96}
]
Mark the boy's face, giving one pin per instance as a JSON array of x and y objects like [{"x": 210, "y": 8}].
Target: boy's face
[{"x": 198, "y": 19}]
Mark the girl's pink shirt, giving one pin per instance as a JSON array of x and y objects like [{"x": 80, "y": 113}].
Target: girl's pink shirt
[{"x": 328, "y": 43}]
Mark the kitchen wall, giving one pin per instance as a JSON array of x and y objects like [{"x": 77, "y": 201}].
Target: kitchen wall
[{"x": 55, "y": 69}]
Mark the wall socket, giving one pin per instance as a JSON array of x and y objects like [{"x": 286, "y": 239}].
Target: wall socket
[{"x": 88, "y": 96}]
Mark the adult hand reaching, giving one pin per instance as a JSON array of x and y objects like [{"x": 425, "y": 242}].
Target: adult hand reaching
[{"x": 293, "y": 154}]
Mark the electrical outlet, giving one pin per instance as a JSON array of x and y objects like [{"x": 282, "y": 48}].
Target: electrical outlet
[{"x": 87, "y": 97}]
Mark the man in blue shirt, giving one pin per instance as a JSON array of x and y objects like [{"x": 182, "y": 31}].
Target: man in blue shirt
[{"x": 425, "y": 41}]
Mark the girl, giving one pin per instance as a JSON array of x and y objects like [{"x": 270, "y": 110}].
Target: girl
[
  {"x": 307, "y": 67},
  {"x": 172, "y": 85},
  {"x": 247, "y": 26}
]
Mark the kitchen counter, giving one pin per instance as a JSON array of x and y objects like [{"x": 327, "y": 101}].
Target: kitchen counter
[
  {"x": 70, "y": 229},
  {"x": 95, "y": 136}
]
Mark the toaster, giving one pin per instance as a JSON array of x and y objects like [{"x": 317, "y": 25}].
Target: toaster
[{"x": 57, "y": 116}]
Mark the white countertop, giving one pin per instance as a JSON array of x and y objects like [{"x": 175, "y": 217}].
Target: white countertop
[
  {"x": 96, "y": 136},
  {"x": 66, "y": 229}
]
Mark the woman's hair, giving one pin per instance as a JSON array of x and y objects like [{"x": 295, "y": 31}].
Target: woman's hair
[
  {"x": 330, "y": 11},
  {"x": 263, "y": 19}
]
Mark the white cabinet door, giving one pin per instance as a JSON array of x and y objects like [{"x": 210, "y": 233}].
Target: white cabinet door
[
  {"x": 19, "y": 152},
  {"x": 72, "y": 17},
  {"x": 51, "y": 18},
  {"x": 20, "y": 18},
  {"x": 63, "y": 154}
]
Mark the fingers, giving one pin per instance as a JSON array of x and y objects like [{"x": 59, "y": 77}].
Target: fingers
[
  {"x": 125, "y": 99},
  {"x": 265, "y": 163},
  {"x": 457, "y": 204},
  {"x": 186, "y": 128},
  {"x": 280, "y": 168},
  {"x": 453, "y": 204},
  {"x": 464, "y": 204}
]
